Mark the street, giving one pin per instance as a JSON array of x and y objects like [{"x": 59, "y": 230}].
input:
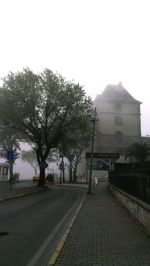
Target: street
[{"x": 31, "y": 226}]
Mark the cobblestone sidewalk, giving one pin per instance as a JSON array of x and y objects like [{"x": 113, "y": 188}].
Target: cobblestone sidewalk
[{"x": 105, "y": 234}]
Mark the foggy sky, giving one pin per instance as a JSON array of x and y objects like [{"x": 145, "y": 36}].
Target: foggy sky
[{"x": 94, "y": 42}]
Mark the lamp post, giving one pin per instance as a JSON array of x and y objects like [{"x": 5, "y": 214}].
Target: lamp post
[{"x": 93, "y": 119}]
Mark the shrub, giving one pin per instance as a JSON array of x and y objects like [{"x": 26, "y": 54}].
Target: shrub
[{"x": 50, "y": 178}]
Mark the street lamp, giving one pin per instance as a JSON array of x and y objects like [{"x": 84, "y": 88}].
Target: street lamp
[{"x": 93, "y": 120}]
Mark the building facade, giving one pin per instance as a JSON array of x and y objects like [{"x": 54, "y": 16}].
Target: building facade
[
  {"x": 119, "y": 123},
  {"x": 118, "y": 126}
]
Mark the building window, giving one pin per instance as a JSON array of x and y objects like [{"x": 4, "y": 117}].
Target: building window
[
  {"x": 118, "y": 120},
  {"x": 119, "y": 136},
  {"x": 118, "y": 106}
]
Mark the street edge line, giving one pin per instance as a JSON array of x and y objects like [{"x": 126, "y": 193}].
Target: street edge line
[{"x": 60, "y": 245}]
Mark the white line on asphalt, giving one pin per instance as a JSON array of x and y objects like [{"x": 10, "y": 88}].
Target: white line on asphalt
[
  {"x": 45, "y": 244},
  {"x": 63, "y": 239}
]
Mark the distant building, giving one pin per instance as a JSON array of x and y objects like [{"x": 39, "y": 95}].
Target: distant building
[
  {"x": 118, "y": 126},
  {"x": 4, "y": 171},
  {"x": 119, "y": 123}
]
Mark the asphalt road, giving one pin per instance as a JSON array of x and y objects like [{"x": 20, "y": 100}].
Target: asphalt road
[{"x": 31, "y": 226}]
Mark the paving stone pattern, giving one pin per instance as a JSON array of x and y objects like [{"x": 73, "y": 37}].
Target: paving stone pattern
[{"x": 105, "y": 234}]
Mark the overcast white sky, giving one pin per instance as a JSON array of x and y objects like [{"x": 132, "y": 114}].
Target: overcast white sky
[{"x": 94, "y": 42}]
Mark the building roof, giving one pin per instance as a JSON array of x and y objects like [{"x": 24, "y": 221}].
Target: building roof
[{"x": 117, "y": 93}]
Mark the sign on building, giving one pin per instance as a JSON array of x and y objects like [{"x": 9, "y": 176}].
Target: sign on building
[
  {"x": 103, "y": 155},
  {"x": 99, "y": 164}
]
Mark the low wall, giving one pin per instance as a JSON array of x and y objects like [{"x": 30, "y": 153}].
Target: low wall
[{"x": 137, "y": 208}]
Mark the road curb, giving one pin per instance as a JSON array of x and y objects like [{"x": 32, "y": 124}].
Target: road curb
[
  {"x": 64, "y": 237},
  {"x": 72, "y": 185},
  {"x": 22, "y": 195}
]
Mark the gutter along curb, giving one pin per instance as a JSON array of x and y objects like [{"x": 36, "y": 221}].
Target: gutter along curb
[{"x": 64, "y": 237}]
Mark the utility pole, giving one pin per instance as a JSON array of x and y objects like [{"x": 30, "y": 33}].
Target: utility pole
[{"x": 93, "y": 119}]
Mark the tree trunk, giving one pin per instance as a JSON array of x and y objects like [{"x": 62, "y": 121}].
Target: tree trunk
[
  {"x": 60, "y": 178},
  {"x": 41, "y": 162},
  {"x": 35, "y": 170},
  {"x": 41, "y": 159},
  {"x": 63, "y": 170},
  {"x": 11, "y": 174},
  {"x": 42, "y": 177},
  {"x": 75, "y": 174},
  {"x": 75, "y": 168},
  {"x": 70, "y": 171}
]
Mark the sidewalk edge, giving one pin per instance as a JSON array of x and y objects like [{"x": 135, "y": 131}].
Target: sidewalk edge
[{"x": 64, "y": 237}]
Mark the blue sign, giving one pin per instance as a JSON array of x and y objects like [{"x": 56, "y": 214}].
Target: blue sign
[{"x": 10, "y": 155}]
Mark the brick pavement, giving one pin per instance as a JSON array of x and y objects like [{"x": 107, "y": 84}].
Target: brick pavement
[{"x": 105, "y": 234}]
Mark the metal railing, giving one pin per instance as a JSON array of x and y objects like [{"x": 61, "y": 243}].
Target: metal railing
[{"x": 135, "y": 182}]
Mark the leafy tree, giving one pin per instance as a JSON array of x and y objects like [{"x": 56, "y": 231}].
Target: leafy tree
[
  {"x": 42, "y": 107},
  {"x": 73, "y": 145},
  {"x": 83, "y": 143},
  {"x": 9, "y": 141},
  {"x": 62, "y": 168},
  {"x": 139, "y": 151}
]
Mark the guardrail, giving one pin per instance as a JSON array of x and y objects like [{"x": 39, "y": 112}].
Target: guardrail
[{"x": 135, "y": 182}]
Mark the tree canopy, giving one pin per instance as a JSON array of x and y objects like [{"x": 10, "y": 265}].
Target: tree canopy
[
  {"x": 9, "y": 141},
  {"x": 42, "y": 108},
  {"x": 74, "y": 144},
  {"x": 139, "y": 151}
]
